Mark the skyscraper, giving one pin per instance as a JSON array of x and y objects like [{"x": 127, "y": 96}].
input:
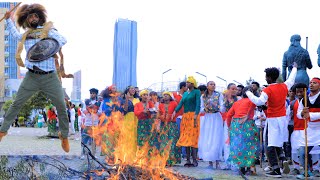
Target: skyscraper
[
  {"x": 9, "y": 70},
  {"x": 125, "y": 54},
  {"x": 76, "y": 87}
]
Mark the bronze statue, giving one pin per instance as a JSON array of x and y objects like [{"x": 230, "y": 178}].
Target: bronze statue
[{"x": 297, "y": 54}]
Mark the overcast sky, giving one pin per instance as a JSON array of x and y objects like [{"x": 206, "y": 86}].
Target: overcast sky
[{"x": 232, "y": 39}]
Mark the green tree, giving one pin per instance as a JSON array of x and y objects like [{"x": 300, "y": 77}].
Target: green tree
[
  {"x": 7, "y": 105},
  {"x": 40, "y": 100},
  {"x": 26, "y": 109},
  {"x": 37, "y": 101}
]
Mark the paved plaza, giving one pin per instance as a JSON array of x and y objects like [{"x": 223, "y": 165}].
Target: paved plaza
[
  {"x": 202, "y": 172},
  {"x": 34, "y": 141}
]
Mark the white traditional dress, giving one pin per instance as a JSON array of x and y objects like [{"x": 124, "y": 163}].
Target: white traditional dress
[{"x": 211, "y": 128}]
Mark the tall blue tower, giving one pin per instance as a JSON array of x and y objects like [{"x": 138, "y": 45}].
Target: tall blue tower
[
  {"x": 125, "y": 54},
  {"x": 10, "y": 44}
]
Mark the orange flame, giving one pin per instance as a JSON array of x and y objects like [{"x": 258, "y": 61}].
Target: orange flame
[
  {"x": 97, "y": 172},
  {"x": 118, "y": 140}
]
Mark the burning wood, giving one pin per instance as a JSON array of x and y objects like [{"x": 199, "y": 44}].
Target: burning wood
[
  {"x": 133, "y": 155},
  {"x": 134, "y": 172},
  {"x": 47, "y": 167}
]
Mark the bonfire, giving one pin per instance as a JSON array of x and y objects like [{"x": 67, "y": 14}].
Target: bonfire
[{"x": 149, "y": 162}]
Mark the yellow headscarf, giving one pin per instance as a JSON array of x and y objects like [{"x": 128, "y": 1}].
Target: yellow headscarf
[
  {"x": 143, "y": 92},
  {"x": 192, "y": 80},
  {"x": 168, "y": 93}
]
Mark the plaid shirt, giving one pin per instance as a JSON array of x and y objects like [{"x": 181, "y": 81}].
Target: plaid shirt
[{"x": 45, "y": 65}]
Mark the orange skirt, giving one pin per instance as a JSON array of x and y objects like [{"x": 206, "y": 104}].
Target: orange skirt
[{"x": 189, "y": 135}]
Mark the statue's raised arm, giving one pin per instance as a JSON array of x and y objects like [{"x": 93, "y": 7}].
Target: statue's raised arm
[{"x": 284, "y": 66}]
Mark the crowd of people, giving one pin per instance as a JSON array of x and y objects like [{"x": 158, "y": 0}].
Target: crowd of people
[
  {"x": 51, "y": 120},
  {"x": 242, "y": 126},
  {"x": 278, "y": 122}
]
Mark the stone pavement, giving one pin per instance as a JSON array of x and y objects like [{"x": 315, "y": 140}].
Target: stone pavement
[
  {"x": 33, "y": 141},
  {"x": 26, "y": 141},
  {"x": 202, "y": 172}
]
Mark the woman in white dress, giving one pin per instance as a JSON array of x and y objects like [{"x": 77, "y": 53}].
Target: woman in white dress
[{"x": 211, "y": 128}]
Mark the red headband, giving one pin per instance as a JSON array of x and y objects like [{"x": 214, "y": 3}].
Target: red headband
[{"x": 315, "y": 80}]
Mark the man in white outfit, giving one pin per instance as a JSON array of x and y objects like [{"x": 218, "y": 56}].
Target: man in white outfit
[
  {"x": 275, "y": 96},
  {"x": 311, "y": 113},
  {"x": 72, "y": 119}
]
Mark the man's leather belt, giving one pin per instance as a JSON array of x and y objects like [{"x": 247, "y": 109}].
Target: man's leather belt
[{"x": 39, "y": 72}]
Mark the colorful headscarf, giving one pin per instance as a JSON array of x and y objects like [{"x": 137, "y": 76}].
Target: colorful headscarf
[
  {"x": 114, "y": 94},
  {"x": 168, "y": 93},
  {"x": 192, "y": 80},
  {"x": 143, "y": 92}
]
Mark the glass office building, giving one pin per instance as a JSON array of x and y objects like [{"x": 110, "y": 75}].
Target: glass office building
[
  {"x": 125, "y": 54},
  {"x": 10, "y": 46}
]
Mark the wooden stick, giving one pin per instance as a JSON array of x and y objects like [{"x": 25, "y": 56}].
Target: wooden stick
[
  {"x": 11, "y": 11},
  {"x": 306, "y": 138},
  {"x": 307, "y": 43},
  {"x": 261, "y": 146}
]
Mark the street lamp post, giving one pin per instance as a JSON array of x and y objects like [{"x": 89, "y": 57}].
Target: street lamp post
[
  {"x": 237, "y": 82},
  {"x": 223, "y": 80},
  {"x": 203, "y": 76},
  {"x": 162, "y": 79}
]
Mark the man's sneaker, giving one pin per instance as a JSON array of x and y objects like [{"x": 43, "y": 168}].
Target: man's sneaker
[
  {"x": 302, "y": 176},
  {"x": 316, "y": 173},
  {"x": 257, "y": 161},
  {"x": 243, "y": 171},
  {"x": 295, "y": 172},
  {"x": 274, "y": 174},
  {"x": 286, "y": 168},
  {"x": 268, "y": 169}
]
